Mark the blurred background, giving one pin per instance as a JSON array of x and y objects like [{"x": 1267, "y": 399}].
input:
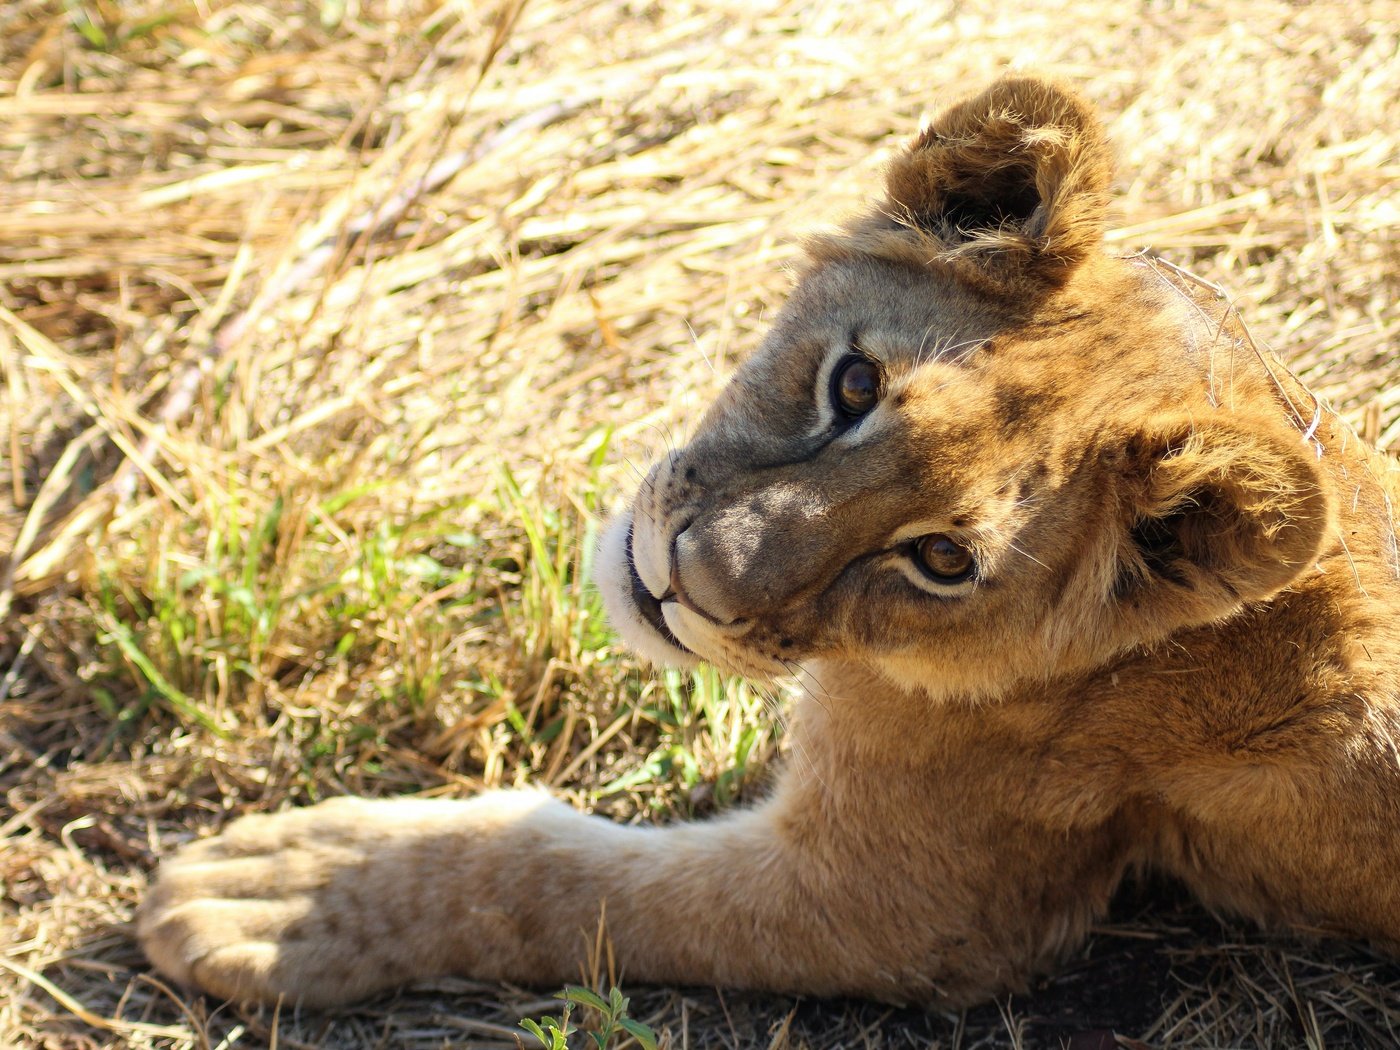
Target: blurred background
[{"x": 329, "y": 330}]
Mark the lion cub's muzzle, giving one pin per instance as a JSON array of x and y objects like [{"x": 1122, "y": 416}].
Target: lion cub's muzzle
[{"x": 695, "y": 572}]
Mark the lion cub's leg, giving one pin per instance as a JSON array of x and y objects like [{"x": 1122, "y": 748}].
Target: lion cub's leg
[{"x": 333, "y": 902}]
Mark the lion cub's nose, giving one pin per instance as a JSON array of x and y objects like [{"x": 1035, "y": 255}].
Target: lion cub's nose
[
  {"x": 694, "y": 583},
  {"x": 750, "y": 556},
  {"x": 676, "y": 590},
  {"x": 720, "y": 568}
]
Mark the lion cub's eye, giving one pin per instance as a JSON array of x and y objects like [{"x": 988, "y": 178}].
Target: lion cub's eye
[
  {"x": 943, "y": 559},
  {"x": 855, "y": 386}
]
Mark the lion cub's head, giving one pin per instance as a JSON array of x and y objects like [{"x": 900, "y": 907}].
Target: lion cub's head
[{"x": 975, "y": 448}]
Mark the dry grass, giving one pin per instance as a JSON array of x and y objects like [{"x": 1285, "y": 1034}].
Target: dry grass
[{"x": 327, "y": 330}]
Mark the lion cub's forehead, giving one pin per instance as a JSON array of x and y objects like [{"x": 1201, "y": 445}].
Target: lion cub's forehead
[
  {"x": 1120, "y": 332},
  {"x": 951, "y": 360},
  {"x": 886, "y": 309}
]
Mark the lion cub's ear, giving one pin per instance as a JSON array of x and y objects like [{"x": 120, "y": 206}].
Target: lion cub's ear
[
  {"x": 1219, "y": 511},
  {"x": 1011, "y": 180}
]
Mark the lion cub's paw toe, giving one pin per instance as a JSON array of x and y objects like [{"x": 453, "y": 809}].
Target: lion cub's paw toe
[{"x": 290, "y": 905}]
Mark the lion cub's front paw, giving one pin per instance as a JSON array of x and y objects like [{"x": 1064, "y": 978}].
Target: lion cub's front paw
[{"x": 321, "y": 905}]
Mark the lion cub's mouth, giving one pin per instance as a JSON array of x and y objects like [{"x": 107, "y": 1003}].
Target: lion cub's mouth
[{"x": 649, "y": 606}]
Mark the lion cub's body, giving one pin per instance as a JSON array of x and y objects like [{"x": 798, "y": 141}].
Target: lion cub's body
[{"x": 1176, "y": 646}]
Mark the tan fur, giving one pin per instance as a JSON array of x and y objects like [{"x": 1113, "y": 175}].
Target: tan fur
[{"x": 1181, "y": 651}]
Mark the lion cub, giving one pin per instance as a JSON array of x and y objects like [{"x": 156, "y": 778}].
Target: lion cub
[{"x": 1080, "y": 583}]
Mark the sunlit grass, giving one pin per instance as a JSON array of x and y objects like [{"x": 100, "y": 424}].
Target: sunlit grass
[{"x": 469, "y": 630}]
